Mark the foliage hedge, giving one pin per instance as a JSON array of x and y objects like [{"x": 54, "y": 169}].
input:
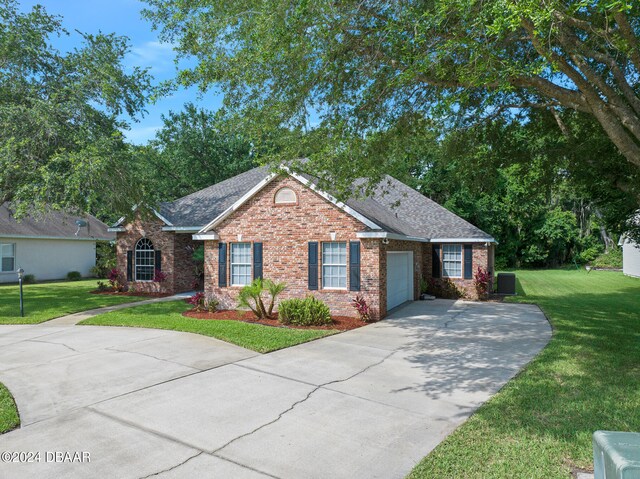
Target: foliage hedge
[{"x": 309, "y": 311}]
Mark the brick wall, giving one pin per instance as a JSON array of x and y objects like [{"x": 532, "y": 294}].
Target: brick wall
[
  {"x": 481, "y": 257},
  {"x": 176, "y": 255},
  {"x": 285, "y": 232}
]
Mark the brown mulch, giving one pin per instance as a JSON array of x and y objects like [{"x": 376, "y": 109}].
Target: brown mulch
[
  {"x": 342, "y": 323},
  {"x": 128, "y": 293}
]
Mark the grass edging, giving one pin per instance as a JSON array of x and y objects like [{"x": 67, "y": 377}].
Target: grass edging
[
  {"x": 9, "y": 416},
  {"x": 540, "y": 424},
  {"x": 168, "y": 316}
]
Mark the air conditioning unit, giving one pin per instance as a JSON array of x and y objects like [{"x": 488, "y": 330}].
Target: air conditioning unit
[
  {"x": 616, "y": 455},
  {"x": 506, "y": 283}
]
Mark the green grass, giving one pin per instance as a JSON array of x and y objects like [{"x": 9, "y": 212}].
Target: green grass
[
  {"x": 9, "y": 418},
  {"x": 168, "y": 316},
  {"x": 46, "y": 301},
  {"x": 588, "y": 378}
]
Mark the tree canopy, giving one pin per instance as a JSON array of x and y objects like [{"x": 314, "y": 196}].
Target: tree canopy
[
  {"x": 353, "y": 70},
  {"x": 60, "y": 143}
]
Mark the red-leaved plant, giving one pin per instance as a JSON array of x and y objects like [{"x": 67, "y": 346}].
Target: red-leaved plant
[
  {"x": 363, "y": 309},
  {"x": 115, "y": 280},
  {"x": 481, "y": 280},
  {"x": 197, "y": 301}
]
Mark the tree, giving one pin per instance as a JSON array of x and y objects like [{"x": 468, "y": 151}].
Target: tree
[
  {"x": 60, "y": 144},
  {"x": 193, "y": 150},
  {"x": 375, "y": 66}
]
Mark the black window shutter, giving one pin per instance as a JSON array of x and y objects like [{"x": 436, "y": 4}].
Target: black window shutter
[
  {"x": 222, "y": 264},
  {"x": 313, "y": 265},
  {"x": 354, "y": 265},
  {"x": 158, "y": 265},
  {"x": 257, "y": 260},
  {"x": 129, "y": 265},
  {"x": 468, "y": 261},
  {"x": 435, "y": 261}
]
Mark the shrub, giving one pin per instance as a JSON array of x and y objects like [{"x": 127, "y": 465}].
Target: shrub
[
  {"x": 445, "y": 288},
  {"x": 116, "y": 281},
  {"x": 251, "y": 297},
  {"x": 159, "y": 276},
  {"x": 74, "y": 276},
  {"x": 363, "y": 309},
  {"x": 197, "y": 301},
  {"x": 29, "y": 279},
  {"x": 481, "y": 280},
  {"x": 612, "y": 259},
  {"x": 211, "y": 303},
  {"x": 102, "y": 286},
  {"x": 105, "y": 259},
  {"x": 304, "y": 312}
]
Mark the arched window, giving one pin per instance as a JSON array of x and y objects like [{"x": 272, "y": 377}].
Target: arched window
[
  {"x": 145, "y": 260},
  {"x": 285, "y": 196}
]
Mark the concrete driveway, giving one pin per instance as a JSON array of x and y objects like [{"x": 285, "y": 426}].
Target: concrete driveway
[{"x": 366, "y": 403}]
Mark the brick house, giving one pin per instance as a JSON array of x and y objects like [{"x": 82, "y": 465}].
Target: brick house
[{"x": 283, "y": 227}]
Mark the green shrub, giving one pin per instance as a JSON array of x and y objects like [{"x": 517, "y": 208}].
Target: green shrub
[
  {"x": 251, "y": 297},
  {"x": 105, "y": 259},
  {"x": 612, "y": 259},
  {"x": 304, "y": 312},
  {"x": 29, "y": 279},
  {"x": 74, "y": 276}
]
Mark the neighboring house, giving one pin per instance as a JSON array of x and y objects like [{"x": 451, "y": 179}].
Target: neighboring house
[
  {"x": 630, "y": 257},
  {"x": 283, "y": 227},
  {"x": 49, "y": 245}
]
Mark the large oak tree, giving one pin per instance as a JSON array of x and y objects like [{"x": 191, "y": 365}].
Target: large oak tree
[{"x": 357, "y": 70}]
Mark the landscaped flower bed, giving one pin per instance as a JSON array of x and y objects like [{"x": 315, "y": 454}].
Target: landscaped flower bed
[{"x": 342, "y": 323}]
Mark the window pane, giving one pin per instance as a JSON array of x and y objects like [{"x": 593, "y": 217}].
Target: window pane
[
  {"x": 240, "y": 264},
  {"x": 7, "y": 250},
  {"x": 452, "y": 260},
  {"x": 7, "y": 264},
  {"x": 334, "y": 265}
]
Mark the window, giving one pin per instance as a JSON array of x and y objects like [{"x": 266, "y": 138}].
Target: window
[
  {"x": 334, "y": 265},
  {"x": 285, "y": 196},
  {"x": 145, "y": 260},
  {"x": 452, "y": 260},
  {"x": 240, "y": 264},
  {"x": 8, "y": 257}
]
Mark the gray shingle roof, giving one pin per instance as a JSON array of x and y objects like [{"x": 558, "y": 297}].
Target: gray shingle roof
[
  {"x": 199, "y": 208},
  {"x": 53, "y": 224},
  {"x": 394, "y": 206}
]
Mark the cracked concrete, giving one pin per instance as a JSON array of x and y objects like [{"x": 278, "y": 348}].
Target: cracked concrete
[{"x": 365, "y": 403}]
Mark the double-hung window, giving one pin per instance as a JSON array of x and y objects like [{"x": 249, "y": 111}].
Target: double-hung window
[
  {"x": 7, "y": 257},
  {"x": 452, "y": 260},
  {"x": 240, "y": 264},
  {"x": 334, "y": 265},
  {"x": 145, "y": 260}
]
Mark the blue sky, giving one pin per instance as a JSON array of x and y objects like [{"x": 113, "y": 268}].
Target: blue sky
[{"x": 123, "y": 18}]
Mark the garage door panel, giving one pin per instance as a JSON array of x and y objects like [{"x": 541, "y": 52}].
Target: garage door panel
[{"x": 399, "y": 278}]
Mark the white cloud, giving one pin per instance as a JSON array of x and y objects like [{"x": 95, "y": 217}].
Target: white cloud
[{"x": 156, "y": 55}]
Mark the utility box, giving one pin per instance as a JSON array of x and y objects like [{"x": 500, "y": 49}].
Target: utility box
[
  {"x": 616, "y": 455},
  {"x": 506, "y": 283}
]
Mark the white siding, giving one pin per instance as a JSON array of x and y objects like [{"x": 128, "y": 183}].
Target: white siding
[
  {"x": 630, "y": 259},
  {"x": 50, "y": 258}
]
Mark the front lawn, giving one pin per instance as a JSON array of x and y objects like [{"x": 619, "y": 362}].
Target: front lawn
[
  {"x": 169, "y": 316},
  {"x": 9, "y": 418},
  {"x": 51, "y": 300},
  {"x": 588, "y": 378}
]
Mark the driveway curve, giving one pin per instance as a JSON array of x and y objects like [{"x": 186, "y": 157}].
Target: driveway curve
[{"x": 365, "y": 403}]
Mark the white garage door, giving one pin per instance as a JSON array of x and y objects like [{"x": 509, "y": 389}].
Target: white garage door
[{"x": 399, "y": 278}]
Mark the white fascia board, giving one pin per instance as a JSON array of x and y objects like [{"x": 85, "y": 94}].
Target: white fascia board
[
  {"x": 463, "y": 240},
  {"x": 184, "y": 229},
  {"x": 347, "y": 209},
  {"x": 44, "y": 237},
  {"x": 210, "y": 236},
  {"x": 391, "y": 236},
  {"x": 238, "y": 203},
  {"x": 118, "y": 229},
  {"x": 118, "y": 223}
]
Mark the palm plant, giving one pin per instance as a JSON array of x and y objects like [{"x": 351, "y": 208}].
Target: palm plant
[{"x": 251, "y": 297}]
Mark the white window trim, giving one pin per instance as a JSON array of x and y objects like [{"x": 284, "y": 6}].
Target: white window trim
[
  {"x": 461, "y": 261},
  {"x": 15, "y": 247},
  {"x": 231, "y": 263},
  {"x": 135, "y": 262},
  {"x": 346, "y": 265}
]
